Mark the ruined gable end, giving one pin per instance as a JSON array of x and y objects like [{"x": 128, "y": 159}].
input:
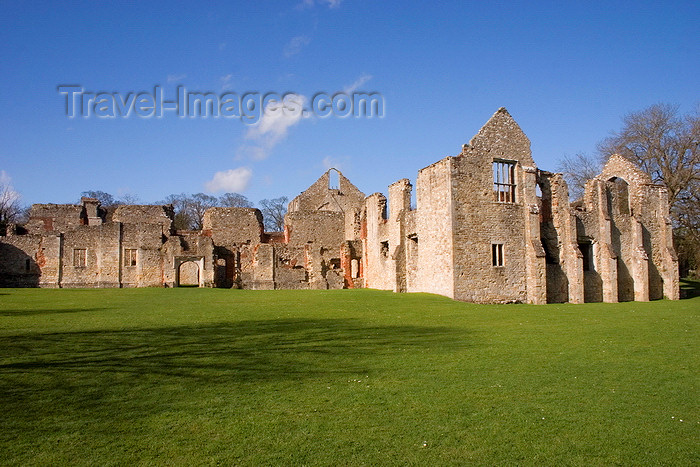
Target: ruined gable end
[
  {"x": 620, "y": 167},
  {"x": 502, "y": 137},
  {"x": 331, "y": 192}
]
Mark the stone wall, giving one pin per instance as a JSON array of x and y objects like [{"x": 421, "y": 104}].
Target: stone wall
[
  {"x": 482, "y": 221},
  {"x": 19, "y": 266},
  {"x": 626, "y": 217},
  {"x": 234, "y": 233},
  {"x": 488, "y": 226},
  {"x": 231, "y": 227},
  {"x": 324, "y": 223},
  {"x": 188, "y": 246},
  {"x": 145, "y": 214},
  {"x": 559, "y": 237},
  {"x": 55, "y": 217},
  {"x": 481, "y": 232},
  {"x": 323, "y": 195},
  {"x": 448, "y": 242},
  {"x": 325, "y": 228},
  {"x": 145, "y": 241},
  {"x": 378, "y": 265},
  {"x": 434, "y": 228}
]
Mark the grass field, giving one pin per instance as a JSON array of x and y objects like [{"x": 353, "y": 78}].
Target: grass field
[{"x": 232, "y": 377}]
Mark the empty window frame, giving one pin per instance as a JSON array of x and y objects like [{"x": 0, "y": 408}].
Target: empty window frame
[
  {"x": 586, "y": 249},
  {"x": 504, "y": 181},
  {"x": 497, "y": 254},
  {"x": 384, "y": 249},
  {"x": 79, "y": 257},
  {"x": 129, "y": 257},
  {"x": 333, "y": 179}
]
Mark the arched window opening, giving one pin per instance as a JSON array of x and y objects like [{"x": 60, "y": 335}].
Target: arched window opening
[{"x": 617, "y": 191}]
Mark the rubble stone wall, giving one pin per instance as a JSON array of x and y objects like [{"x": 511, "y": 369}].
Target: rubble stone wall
[{"x": 488, "y": 226}]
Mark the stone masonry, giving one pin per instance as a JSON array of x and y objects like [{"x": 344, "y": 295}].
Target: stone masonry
[{"x": 488, "y": 227}]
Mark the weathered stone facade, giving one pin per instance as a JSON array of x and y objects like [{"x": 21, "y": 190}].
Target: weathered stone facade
[{"x": 488, "y": 226}]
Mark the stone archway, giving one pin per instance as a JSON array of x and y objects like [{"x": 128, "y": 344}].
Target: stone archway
[{"x": 188, "y": 271}]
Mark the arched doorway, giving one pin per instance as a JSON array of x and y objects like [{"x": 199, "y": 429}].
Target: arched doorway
[
  {"x": 188, "y": 271},
  {"x": 189, "y": 274}
]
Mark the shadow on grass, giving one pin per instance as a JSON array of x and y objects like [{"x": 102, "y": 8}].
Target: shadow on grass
[
  {"x": 25, "y": 312},
  {"x": 690, "y": 288},
  {"x": 248, "y": 350},
  {"x": 84, "y": 370}
]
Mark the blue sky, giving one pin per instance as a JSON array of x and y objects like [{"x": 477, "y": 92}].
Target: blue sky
[{"x": 566, "y": 71}]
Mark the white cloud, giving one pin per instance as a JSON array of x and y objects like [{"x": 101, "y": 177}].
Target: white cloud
[
  {"x": 174, "y": 78},
  {"x": 273, "y": 127},
  {"x": 4, "y": 178},
  {"x": 295, "y": 45},
  {"x": 358, "y": 82},
  {"x": 226, "y": 81},
  {"x": 311, "y": 3},
  {"x": 332, "y": 3},
  {"x": 233, "y": 180}
]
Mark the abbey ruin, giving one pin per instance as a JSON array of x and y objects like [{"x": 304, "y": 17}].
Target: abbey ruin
[{"x": 488, "y": 227}]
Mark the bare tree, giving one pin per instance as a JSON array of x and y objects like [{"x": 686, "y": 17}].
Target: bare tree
[
  {"x": 665, "y": 145},
  {"x": 199, "y": 203},
  {"x": 183, "y": 216},
  {"x": 273, "y": 211},
  {"x": 105, "y": 199},
  {"x": 189, "y": 209},
  {"x": 10, "y": 208},
  {"x": 234, "y": 200},
  {"x": 128, "y": 198},
  {"x": 577, "y": 170}
]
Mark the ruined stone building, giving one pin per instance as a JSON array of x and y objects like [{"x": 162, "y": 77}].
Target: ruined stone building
[{"x": 488, "y": 226}]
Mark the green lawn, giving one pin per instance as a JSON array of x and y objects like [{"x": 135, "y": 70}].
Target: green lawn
[{"x": 363, "y": 377}]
